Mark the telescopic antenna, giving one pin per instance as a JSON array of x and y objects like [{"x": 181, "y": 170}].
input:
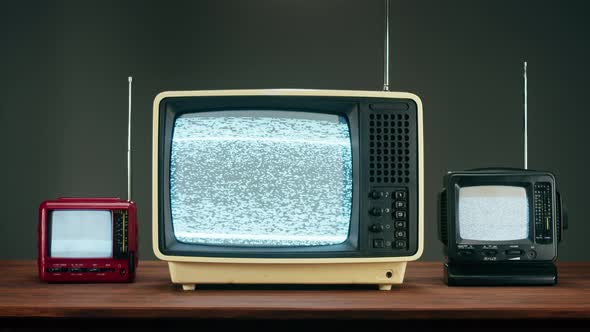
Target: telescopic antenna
[
  {"x": 386, "y": 54},
  {"x": 525, "y": 120},
  {"x": 129, "y": 144}
]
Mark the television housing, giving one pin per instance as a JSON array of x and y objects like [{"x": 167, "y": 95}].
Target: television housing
[
  {"x": 87, "y": 240},
  {"x": 500, "y": 226},
  {"x": 287, "y": 186}
]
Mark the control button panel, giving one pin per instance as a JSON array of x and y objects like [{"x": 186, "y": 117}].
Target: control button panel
[
  {"x": 79, "y": 269},
  {"x": 543, "y": 204},
  {"x": 388, "y": 215},
  {"x": 494, "y": 252}
]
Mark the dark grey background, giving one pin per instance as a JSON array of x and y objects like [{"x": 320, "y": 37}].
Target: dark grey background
[{"x": 64, "y": 68}]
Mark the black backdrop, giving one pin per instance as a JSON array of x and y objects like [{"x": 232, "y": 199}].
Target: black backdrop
[{"x": 64, "y": 68}]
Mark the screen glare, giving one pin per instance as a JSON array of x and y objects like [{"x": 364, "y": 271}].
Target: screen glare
[
  {"x": 493, "y": 213},
  {"x": 81, "y": 234},
  {"x": 259, "y": 178}
]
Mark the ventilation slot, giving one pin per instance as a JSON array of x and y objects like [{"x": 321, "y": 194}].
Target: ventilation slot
[
  {"x": 442, "y": 217},
  {"x": 389, "y": 148},
  {"x": 558, "y": 218}
]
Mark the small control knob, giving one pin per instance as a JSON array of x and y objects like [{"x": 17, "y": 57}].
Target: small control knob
[
  {"x": 377, "y": 211},
  {"x": 531, "y": 254},
  {"x": 376, "y": 228},
  {"x": 376, "y": 194}
]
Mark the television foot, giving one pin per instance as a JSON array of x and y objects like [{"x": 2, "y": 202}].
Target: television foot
[
  {"x": 190, "y": 287},
  {"x": 385, "y": 287}
]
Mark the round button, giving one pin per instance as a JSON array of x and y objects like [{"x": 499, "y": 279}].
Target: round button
[{"x": 531, "y": 254}]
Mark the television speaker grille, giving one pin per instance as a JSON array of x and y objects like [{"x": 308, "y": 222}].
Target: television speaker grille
[{"x": 390, "y": 148}]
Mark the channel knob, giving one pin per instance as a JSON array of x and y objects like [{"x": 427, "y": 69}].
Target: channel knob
[
  {"x": 376, "y": 194},
  {"x": 377, "y": 211},
  {"x": 376, "y": 228}
]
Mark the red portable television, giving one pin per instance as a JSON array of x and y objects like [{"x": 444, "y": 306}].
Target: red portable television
[{"x": 87, "y": 240}]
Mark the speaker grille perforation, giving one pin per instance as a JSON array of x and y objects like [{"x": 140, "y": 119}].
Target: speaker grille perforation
[{"x": 389, "y": 148}]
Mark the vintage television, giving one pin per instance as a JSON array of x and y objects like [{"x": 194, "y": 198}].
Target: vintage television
[
  {"x": 87, "y": 240},
  {"x": 500, "y": 227},
  {"x": 287, "y": 186}
]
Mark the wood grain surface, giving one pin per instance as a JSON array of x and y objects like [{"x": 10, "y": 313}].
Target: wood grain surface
[{"x": 423, "y": 295}]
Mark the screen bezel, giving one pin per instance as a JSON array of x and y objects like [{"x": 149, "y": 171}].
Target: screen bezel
[{"x": 171, "y": 108}]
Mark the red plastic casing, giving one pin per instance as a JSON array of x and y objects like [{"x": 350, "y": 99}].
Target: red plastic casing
[{"x": 87, "y": 269}]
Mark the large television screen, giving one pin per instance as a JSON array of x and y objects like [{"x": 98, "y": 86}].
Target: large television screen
[
  {"x": 493, "y": 213},
  {"x": 261, "y": 178}
]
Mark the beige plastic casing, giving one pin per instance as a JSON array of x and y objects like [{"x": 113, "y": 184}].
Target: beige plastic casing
[{"x": 191, "y": 270}]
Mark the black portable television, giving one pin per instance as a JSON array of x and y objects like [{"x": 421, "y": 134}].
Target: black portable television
[{"x": 500, "y": 227}]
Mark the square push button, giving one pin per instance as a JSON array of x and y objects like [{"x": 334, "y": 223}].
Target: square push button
[
  {"x": 400, "y": 215},
  {"x": 378, "y": 243},
  {"x": 400, "y": 244},
  {"x": 400, "y": 195}
]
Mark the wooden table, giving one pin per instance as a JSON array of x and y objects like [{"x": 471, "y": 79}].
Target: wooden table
[{"x": 422, "y": 297}]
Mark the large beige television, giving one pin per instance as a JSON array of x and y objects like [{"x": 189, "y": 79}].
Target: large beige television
[{"x": 287, "y": 186}]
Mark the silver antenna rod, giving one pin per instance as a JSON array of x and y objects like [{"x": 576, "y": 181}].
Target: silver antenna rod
[
  {"x": 386, "y": 55},
  {"x": 525, "y": 120},
  {"x": 129, "y": 144}
]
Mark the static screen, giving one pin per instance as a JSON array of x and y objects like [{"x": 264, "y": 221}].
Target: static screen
[
  {"x": 81, "y": 234},
  {"x": 493, "y": 213},
  {"x": 259, "y": 178}
]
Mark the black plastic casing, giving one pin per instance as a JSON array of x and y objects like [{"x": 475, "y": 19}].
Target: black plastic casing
[{"x": 542, "y": 242}]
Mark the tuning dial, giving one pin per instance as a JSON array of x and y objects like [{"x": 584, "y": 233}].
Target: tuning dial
[
  {"x": 376, "y": 228},
  {"x": 376, "y": 194},
  {"x": 376, "y": 211}
]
